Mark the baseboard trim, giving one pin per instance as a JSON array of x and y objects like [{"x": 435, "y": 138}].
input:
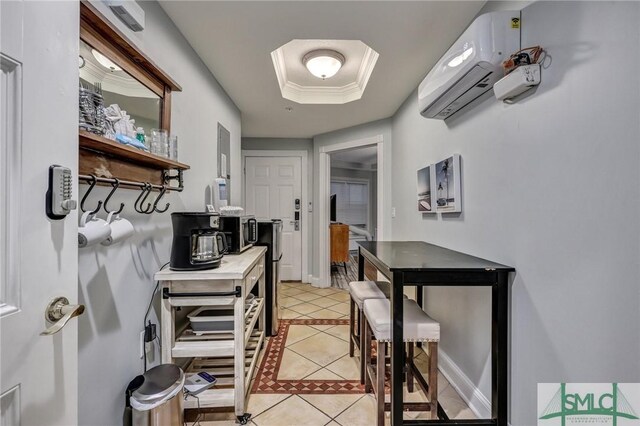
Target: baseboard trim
[
  {"x": 468, "y": 391},
  {"x": 315, "y": 281}
]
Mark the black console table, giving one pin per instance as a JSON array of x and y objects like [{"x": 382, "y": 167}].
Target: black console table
[{"x": 416, "y": 263}]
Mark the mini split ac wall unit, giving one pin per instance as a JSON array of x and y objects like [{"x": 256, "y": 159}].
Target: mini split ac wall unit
[{"x": 471, "y": 66}]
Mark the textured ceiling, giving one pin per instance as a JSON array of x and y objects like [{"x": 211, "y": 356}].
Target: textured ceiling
[{"x": 235, "y": 39}]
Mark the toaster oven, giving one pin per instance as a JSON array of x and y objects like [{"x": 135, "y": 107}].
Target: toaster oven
[{"x": 241, "y": 232}]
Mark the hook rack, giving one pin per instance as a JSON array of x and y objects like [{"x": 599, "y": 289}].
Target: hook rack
[{"x": 145, "y": 187}]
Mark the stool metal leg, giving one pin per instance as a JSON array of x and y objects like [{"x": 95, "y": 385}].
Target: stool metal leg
[
  {"x": 433, "y": 378},
  {"x": 363, "y": 360},
  {"x": 380, "y": 362},
  {"x": 409, "y": 371},
  {"x": 367, "y": 356},
  {"x": 352, "y": 325}
]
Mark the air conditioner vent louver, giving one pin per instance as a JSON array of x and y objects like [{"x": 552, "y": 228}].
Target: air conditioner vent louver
[{"x": 129, "y": 12}]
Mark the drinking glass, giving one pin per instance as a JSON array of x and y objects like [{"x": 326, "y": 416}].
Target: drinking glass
[
  {"x": 173, "y": 148},
  {"x": 159, "y": 142}
]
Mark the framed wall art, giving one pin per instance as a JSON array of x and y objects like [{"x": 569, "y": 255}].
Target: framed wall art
[
  {"x": 447, "y": 185},
  {"x": 426, "y": 178}
]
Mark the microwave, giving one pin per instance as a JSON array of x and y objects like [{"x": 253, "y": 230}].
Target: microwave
[{"x": 241, "y": 232}]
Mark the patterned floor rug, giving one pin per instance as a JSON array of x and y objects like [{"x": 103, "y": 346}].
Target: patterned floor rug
[{"x": 267, "y": 381}]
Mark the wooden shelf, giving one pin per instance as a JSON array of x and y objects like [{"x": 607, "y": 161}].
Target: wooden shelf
[
  {"x": 190, "y": 344},
  {"x": 103, "y": 145},
  {"x": 222, "y": 394},
  {"x": 103, "y": 157}
]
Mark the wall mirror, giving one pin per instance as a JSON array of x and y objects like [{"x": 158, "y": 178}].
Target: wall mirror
[{"x": 120, "y": 91}]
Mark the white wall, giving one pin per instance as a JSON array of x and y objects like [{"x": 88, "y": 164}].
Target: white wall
[
  {"x": 550, "y": 186},
  {"x": 116, "y": 283},
  {"x": 375, "y": 128}
]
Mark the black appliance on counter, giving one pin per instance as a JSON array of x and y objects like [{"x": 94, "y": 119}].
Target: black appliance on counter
[
  {"x": 270, "y": 236},
  {"x": 197, "y": 241},
  {"x": 240, "y": 232}
]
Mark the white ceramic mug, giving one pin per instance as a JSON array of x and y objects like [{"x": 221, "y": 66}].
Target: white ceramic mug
[
  {"x": 92, "y": 230},
  {"x": 121, "y": 229}
]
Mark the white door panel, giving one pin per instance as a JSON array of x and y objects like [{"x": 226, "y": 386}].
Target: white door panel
[
  {"x": 272, "y": 185},
  {"x": 39, "y": 258},
  {"x": 284, "y": 202}
]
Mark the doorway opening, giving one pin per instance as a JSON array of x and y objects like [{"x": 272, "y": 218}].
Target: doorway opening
[
  {"x": 350, "y": 206},
  {"x": 353, "y": 209}
]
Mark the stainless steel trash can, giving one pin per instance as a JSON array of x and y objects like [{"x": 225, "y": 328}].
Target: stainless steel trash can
[{"x": 159, "y": 401}]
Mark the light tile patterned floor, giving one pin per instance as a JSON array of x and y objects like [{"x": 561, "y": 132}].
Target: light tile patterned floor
[{"x": 321, "y": 352}]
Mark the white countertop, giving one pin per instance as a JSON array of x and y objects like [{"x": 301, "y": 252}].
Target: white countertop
[{"x": 232, "y": 267}]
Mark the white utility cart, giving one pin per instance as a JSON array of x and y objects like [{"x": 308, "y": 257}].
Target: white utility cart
[{"x": 230, "y": 355}]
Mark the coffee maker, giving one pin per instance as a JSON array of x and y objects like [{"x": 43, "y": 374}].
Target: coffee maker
[{"x": 197, "y": 242}]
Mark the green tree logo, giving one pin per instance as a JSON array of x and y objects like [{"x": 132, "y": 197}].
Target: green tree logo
[{"x": 614, "y": 405}]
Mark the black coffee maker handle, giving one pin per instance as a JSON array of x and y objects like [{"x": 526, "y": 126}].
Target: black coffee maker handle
[
  {"x": 222, "y": 239},
  {"x": 253, "y": 231}
]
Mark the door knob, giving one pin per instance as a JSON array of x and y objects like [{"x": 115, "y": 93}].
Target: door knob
[{"x": 59, "y": 312}]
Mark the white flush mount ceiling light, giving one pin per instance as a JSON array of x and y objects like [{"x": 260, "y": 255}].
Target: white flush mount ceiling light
[
  {"x": 303, "y": 68},
  {"x": 323, "y": 63},
  {"x": 104, "y": 61}
]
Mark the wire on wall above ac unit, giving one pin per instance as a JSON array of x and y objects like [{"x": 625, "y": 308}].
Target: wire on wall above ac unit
[{"x": 522, "y": 72}]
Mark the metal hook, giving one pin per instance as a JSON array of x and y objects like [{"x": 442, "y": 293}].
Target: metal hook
[
  {"x": 155, "y": 204},
  {"x": 145, "y": 190},
  {"x": 149, "y": 208},
  {"x": 115, "y": 185},
  {"x": 92, "y": 183}
]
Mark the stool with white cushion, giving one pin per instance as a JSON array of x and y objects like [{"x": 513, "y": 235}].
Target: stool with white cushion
[
  {"x": 359, "y": 292},
  {"x": 417, "y": 327}
]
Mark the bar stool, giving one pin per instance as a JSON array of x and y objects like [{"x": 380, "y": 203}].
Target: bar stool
[
  {"x": 418, "y": 327},
  {"x": 359, "y": 292}
]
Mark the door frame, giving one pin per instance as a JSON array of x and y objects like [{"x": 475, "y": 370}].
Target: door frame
[
  {"x": 325, "y": 189},
  {"x": 304, "y": 156}
]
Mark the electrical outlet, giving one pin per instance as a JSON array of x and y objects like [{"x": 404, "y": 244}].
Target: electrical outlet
[
  {"x": 393, "y": 212},
  {"x": 142, "y": 344}
]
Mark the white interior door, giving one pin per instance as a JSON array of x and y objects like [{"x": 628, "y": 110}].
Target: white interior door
[
  {"x": 38, "y": 256},
  {"x": 272, "y": 186}
]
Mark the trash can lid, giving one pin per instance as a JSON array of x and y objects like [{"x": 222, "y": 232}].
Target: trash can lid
[{"x": 161, "y": 383}]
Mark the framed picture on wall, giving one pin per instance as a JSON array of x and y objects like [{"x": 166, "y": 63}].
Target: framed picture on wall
[
  {"x": 447, "y": 185},
  {"x": 425, "y": 189}
]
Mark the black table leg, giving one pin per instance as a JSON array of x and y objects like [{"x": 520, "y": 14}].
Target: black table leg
[
  {"x": 360, "y": 265},
  {"x": 397, "y": 348},
  {"x": 499, "y": 348}
]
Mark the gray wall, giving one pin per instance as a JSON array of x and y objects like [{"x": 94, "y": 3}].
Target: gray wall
[
  {"x": 290, "y": 144},
  {"x": 550, "y": 186},
  {"x": 380, "y": 127},
  {"x": 116, "y": 283},
  {"x": 372, "y": 178}
]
